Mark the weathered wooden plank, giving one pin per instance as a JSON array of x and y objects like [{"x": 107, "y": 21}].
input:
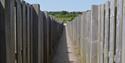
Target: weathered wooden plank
[
  {"x": 24, "y": 29},
  {"x": 40, "y": 39},
  {"x": 123, "y": 34},
  {"x": 74, "y": 29},
  {"x": 47, "y": 37},
  {"x": 31, "y": 33},
  {"x": 86, "y": 35},
  {"x": 15, "y": 29},
  {"x": 19, "y": 31},
  {"x": 99, "y": 34},
  {"x": 119, "y": 24},
  {"x": 94, "y": 34},
  {"x": 88, "y": 16},
  {"x": 102, "y": 35},
  {"x": 10, "y": 31},
  {"x": 78, "y": 31},
  {"x": 36, "y": 11},
  {"x": 112, "y": 30},
  {"x": 28, "y": 40},
  {"x": 2, "y": 3},
  {"x": 82, "y": 50},
  {"x": 71, "y": 30},
  {"x": 107, "y": 28},
  {"x": 2, "y": 32}
]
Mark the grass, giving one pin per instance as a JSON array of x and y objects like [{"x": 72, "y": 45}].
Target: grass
[{"x": 64, "y": 16}]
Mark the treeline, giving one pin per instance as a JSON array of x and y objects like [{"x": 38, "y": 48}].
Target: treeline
[{"x": 64, "y": 16}]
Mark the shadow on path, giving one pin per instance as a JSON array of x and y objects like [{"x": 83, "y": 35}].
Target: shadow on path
[
  {"x": 61, "y": 54},
  {"x": 65, "y": 52}
]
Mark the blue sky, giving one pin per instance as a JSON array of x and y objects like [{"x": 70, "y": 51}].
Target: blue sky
[{"x": 68, "y": 5}]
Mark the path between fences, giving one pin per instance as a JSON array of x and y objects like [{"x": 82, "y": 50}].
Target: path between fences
[{"x": 65, "y": 52}]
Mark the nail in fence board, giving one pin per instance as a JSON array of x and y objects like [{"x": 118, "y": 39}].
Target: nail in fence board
[
  {"x": 119, "y": 25},
  {"x": 112, "y": 30}
]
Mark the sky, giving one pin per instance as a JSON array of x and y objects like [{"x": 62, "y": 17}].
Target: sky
[{"x": 67, "y": 5}]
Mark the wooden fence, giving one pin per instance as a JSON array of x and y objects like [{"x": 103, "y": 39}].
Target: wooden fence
[
  {"x": 100, "y": 33},
  {"x": 27, "y": 34}
]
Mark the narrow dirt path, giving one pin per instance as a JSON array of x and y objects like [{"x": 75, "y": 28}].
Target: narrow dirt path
[{"x": 65, "y": 52}]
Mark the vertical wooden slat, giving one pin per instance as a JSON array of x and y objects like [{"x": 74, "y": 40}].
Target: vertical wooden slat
[
  {"x": 107, "y": 28},
  {"x": 112, "y": 30},
  {"x": 123, "y": 34},
  {"x": 36, "y": 11},
  {"x": 119, "y": 25},
  {"x": 31, "y": 33},
  {"x": 94, "y": 34},
  {"x": 28, "y": 33},
  {"x": 19, "y": 31},
  {"x": 24, "y": 39},
  {"x": 48, "y": 55},
  {"x": 89, "y": 35},
  {"x": 10, "y": 31},
  {"x": 2, "y": 32},
  {"x": 40, "y": 53},
  {"x": 102, "y": 35},
  {"x": 45, "y": 38},
  {"x": 83, "y": 19},
  {"x": 99, "y": 35}
]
